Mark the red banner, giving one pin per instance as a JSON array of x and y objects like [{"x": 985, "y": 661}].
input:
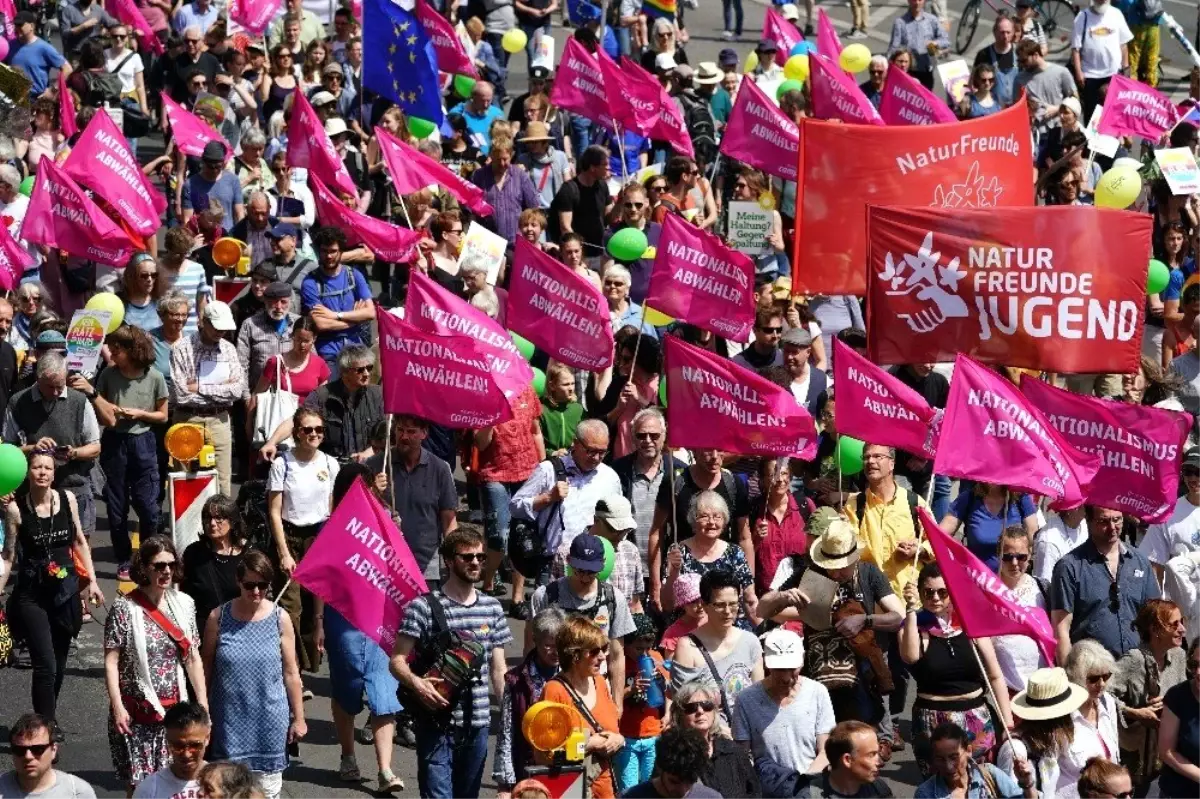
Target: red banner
[
  {"x": 1057, "y": 288},
  {"x": 843, "y": 168}
]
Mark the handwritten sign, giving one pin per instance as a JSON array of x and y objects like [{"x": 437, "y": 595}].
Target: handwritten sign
[{"x": 85, "y": 338}]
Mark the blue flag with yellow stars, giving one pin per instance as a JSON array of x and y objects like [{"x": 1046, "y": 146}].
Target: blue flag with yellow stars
[{"x": 399, "y": 62}]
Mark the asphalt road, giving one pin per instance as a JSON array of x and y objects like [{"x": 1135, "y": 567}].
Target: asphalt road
[{"x": 83, "y": 704}]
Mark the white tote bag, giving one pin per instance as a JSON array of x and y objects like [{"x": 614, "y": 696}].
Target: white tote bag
[{"x": 274, "y": 405}]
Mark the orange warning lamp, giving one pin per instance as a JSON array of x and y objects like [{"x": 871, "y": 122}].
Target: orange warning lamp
[
  {"x": 185, "y": 443},
  {"x": 549, "y": 726},
  {"x": 231, "y": 253}
]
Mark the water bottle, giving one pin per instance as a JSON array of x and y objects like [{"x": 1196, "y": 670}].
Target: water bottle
[{"x": 654, "y": 694}]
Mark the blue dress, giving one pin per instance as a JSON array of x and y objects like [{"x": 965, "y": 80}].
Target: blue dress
[{"x": 250, "y": 713}]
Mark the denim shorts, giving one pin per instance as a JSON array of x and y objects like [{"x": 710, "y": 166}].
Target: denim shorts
[
  {"x": 358, "y": 666},
  {"x": 496, "y": 513}
]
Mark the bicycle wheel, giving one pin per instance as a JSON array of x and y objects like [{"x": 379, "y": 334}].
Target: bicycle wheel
[
  {"x": 967, "y": 24},
  {"x": 1058, "y": 19}
]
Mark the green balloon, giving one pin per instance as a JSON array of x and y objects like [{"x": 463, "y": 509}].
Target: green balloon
[
  {"x": 539, "y": 382},
  {"x": 1158, "y": 278},
  {"x": 13, "y": 467},
  {"x": 463, "y": 84},
  {"x": 850, "y": 454},
  {"x": 421, "y": 128},
  {"x": 26, "y": 187},
  {"x": 524, "y": 345},
  {"x": 627, "y": 244},
  {"x": 610, "y": 559},
  {"x": 662, "y": 390},
  {"x": 788, "y": 86}
]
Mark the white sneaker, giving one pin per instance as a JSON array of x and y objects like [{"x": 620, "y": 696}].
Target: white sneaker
[
  {"x": 856, "y": 33},
  {"x": 727, "y": 35},
  {"x": 348, "y": 769},
  {"x": 389, "y": 782}
]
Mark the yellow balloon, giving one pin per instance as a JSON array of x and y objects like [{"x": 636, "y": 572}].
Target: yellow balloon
[
  {"x": 1119, "y": 187},
  {"x": 796, "y": 68},
  {"x": 855, "y": 58},
  {"x": 514, "y": 41},
  {"x": 650, "y": 253},
  {"x": 656, "y": 318},
  {"x": 111, "y": 303},
  {"x": 751, "y": 63},
  {"x": 766, "y": 201}
]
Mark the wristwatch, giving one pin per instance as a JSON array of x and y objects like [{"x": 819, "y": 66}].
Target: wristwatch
[
  {"x": 91, "y": 395},
  {"x": 339, "y": 316},
  {"x": 869, "y": 624}
]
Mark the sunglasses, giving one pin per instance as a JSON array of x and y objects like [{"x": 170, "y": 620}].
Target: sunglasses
[
  {"x": 119, "y": 37},
  {"x": 1191, "y": 472},
  {"x": 773, "y": 330},
  {"x": 595, "y": 452},
  {"x": 185, "y": 746},
  {"x": 311, "y": 429},
  {"x": 728, "y": 607},
  {"x": 1013, "y": 557},
  {"x": 471, "y": 557},
  {"x": 32, "y": 298},
  {"x": 150, "y": 275},
  {"x": 256, "y": 586},
  {"x": 193, "y": 41},
  {"x": 658, "y": 187},
  {"x": 635, "y": 206},
  {"x": 37, "y": 749},
  {"x": 1095, "y": 678},
  {"x": 361, "y": 370},
  {"x": 935, "y": 593},
  {"x": 224, "y": 87},
  {"x": 199, "y": 84},
  {"x": 692, "y": 707},
  {"x": 164, "y": 566},
  {"x": 598, "y": 650},
  {"x": 647, "y": 436}
]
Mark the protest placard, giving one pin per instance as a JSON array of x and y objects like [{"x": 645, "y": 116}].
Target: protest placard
[
  {"x": 955, "y": 77},
  {"x": 749, "y": 226},
  {"x": 1178, "y": 166},
  {"x": 482, "y": 246},
  {"x": 85, "y": 338}
]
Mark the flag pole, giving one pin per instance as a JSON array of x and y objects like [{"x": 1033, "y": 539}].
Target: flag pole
[
  {"x": 387, "y": 462},
  {"x": 1002, "y": 731},
  {"x": 621, "y": 149}
]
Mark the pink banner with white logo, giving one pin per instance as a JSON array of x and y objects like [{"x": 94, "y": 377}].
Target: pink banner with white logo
[
  {"x": 712, "y": 403},
  {"x": 361, "y": 565},
  {"x": 309, "y": 147},
  {"x": 445, "y": 379},
  {"x": 189, "y": 131},
  {"x": 1132, "y": 108},
  {"x": 906, "y": 102},
  {"x": 579, "y": 85},
  {"x": 984, "y": 604},
  {"x": 760, "y": 135},
  {"x": 66, "y": 108},
  {"x": 101, "y": 160},
  {"x": 129, "y": 14},
  {"x": 828, "y": 43},
  {"x": 451, "y": 57},
  {"x": 387, "y": 241},
  {"x": 14, "y": 260},
  {"x": 876, "y": 407},
  {"x": 559, "y": 311},
  {"x": 783, "y": 33},
  {"x": 998, "y": 436},
  {"x": 412, "y": 170},
  {"x": 667, "y": 124},
  {"x": 61, "y": 215},
  {"x": 1139, "y": 447},
  {"x": 835, "y": 95},
  {"x": 254, "y": 15},
  {"x": 698, "y": 280},
  {"x": 435, "y": 310}
]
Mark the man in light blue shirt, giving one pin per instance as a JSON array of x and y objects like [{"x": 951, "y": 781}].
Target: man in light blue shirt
[
  {"x": 33, "y": 56},
  {"x": 480, "y": 113},
  {"x": 201, "y": 13}
]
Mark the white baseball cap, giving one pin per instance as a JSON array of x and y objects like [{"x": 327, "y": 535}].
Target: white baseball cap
[
  {"x": 617, "y": 512},
  {"x": 220, "y": 316},
  {"x": 783, "y": 649}
]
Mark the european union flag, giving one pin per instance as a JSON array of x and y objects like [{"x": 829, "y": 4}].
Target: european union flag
[{"x": 399, "y": 62}]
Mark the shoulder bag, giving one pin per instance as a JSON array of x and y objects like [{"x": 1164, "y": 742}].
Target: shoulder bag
[
  {"x": 593, "y": 764},
  {"x": 140, "y": 710},
  {"x": 716, "y": 675},
  {"x": 274, "y": 405}
]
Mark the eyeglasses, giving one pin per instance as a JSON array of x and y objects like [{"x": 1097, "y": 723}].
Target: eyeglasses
[
  {"x": 163, "y": 566},
  {"x": 256, "y": 586},
  {"x": 647, "y": 436},
  {"x": 1014, "y": 557},
  {"x": 878, "y": 457},
  {"x": 985, "y": 81},
  {"x": 469, "y": 557},
  {"x": 119, "y": 37},
  {"x": 691, "y": 707},
  {"x": 595, "y": 452},
  {"x": 150, "y": 275},
  {"x": 724, "y": 607},
  {"x": 1191, "y": 472},
  {"x": 309, "y": 430},
  {"x": 1095, "y": 678},
  {"x": 185, "y": 746},
  {"x": 456, "y": 231},
  {"x": 935, "y": 593},
  {"x": 32, "y": 298},
  {"x": 199, "y": 84},
  {"x": 598, "y": 650},
  {"x": 37, "y": 749}
]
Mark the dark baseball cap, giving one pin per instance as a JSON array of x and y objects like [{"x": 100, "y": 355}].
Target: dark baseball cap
[
  {"x": 728, "y": 57},
  {"x": 266, "y": 270},
  {"x": 587, "y": 553},
  {"x": 278, "y": 291},
  {"x": 766, "y": 46},
  {"x": 214, "y": 151},
  {"x": 283, "y": 229},
  {"x": 23, "y": 17},
  {"x": 540, "y": 73}
]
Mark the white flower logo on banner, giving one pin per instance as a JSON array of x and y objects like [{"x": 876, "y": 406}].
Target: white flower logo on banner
[
  {"x": 975, "y": 191},
  {"x": 935, "y": 285}
]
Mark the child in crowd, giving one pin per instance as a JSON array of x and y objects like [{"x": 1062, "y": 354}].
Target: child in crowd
[
  {"x": 561, "y": 412},
  {"x": 687, "y": 599},
  {"x": 641, "y": 722}
]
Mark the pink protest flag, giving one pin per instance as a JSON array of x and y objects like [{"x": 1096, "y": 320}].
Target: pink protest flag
[
  {"x": 559, "y": 311},
  {"x": 1000, "y": 437},
  {"x": 254, "y": 15},
  {"x": 699, "y": 280},
  {"x": 129, "y": 14},
  {"x": 1132, "y": 108},
  {"x": 361, "y": 565},
  {"x": 632, "y": 103},
  {"x": 579, "y": 85},
  {"x": 828, "y": 43},
  {"x": 101, "y": 161},
  {"x": 431, "y": 308},
  {"x": 835, "y": 95},
  {"x": 782, "y": 32},
  {"x": 760, "y": 135},
  {"x": 310, "y": 147},
  {"x": 9, "y": 9},
  {"x": 62, "y": 216},
  {"x": 66, "y": 108},
  {"x": 984, "y": 604},
  {"x": 14, "y": 260},
  {"x": 451, "y": 57},
  {"x": 387, "y": 241},
  {"x": 668, "y": 124},
  {"x": 874, "y": 406},
  {"x": 712, "y": 403},
  {"x": 444, "y": 379},
  {"x": 412, "y": 170},
  {"x": 906, "y": 102},
  {"x": 189, "y": 131},
  {"x": 1139, "y": 447}
]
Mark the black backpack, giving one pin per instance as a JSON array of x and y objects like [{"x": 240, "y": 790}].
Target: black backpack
[
  {"x": 698, "y": 118},
  {"x": 1149, "y": 10},
  {"x": 103, "y": 89},
  {"x": 527, "y": 539}
]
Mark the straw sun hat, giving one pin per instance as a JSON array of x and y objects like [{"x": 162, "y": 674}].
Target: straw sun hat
[{"x": 1048, "y": 695}]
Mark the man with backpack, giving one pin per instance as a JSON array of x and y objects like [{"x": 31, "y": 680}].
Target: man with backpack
[
  {"x": 681, "y": 173},
  {"x": 338, "y": 297}
]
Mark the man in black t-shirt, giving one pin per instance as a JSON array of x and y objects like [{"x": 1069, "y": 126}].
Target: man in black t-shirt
[
  {"x": 764, "y": 350},
  {"x": 583, "y": 201}
]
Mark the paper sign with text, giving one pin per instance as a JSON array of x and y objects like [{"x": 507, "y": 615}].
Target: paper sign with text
[
  {"x": 955, "y": 77},
  {"x": 1178, "y": 166},
  {"x": 749, "y": 226},
  {"x": 482, "y": 246},
  {"x": 85, "y": 339}
]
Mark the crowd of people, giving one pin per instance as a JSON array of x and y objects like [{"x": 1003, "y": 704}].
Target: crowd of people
[{"x": 674, "y": 616}]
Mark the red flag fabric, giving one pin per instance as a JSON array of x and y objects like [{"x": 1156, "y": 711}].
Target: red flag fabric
[
  {"x": 1054, "y": 288},
  {"x": 61, "y": 215},
  {"x": 760, "y": 135},
  {"x": 1139, "y": 447},
  {"x": 843, "y": 168},
  {"x": 451, "y": 57},
  {"x": 66, "y": 108},
  {"x": 412, "y": 170},
  {"x": 444, "y": 379},
  {"x": 189, "y": 131},
  {"x": 998, "y": 436},
  {"x": 101, "y": 160},
  {"x": 874, "y": 406},
  {"x": 712, "y": 403},
  {"x": 387, "y": 241},
  {"x": 835, "y": 95},
  {"x": 559, "y": 311},
  {"x": 699, "y": 280},
  {"x": 309, "y": 147}
]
